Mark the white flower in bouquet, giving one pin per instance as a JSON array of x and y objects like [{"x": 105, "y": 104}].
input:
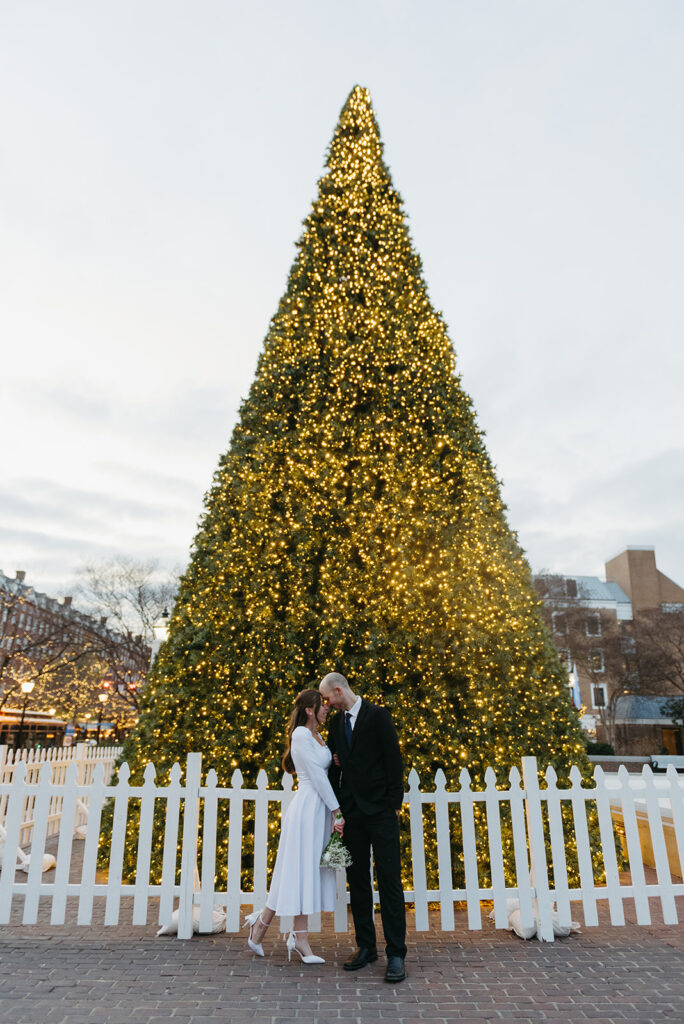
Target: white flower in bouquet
[{"x": 336, "y": 855}]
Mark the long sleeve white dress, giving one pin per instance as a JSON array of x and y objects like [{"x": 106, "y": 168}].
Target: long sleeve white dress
[{"x": 299, "y": 884}]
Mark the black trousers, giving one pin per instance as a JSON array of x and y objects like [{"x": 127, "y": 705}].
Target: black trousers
[{"x": 381, "y": 832}]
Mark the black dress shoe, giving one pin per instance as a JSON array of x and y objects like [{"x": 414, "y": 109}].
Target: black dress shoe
[
  {"x": 361, "y": 957},
  {"x": 395, "y": 969}
]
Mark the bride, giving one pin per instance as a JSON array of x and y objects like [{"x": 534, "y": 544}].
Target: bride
[{"x": 300, "y": 886}]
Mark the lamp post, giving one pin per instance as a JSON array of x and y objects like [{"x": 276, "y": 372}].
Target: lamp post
[
  {"x": 103, "y": 698},
  {"x": 27, "y": 690},
  {"x": 161, "y": 632}
]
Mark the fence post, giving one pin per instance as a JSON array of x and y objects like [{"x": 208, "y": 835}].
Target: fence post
[
  {"x": 80, "y": 759},
  {"x": 472, "y": 881},
  {"x": 12, "y": 825},
  {"x": 420, "y": 899},
  {"x": 493, "y": 812},
  {"x": 145, "y": 829},
  {"x": 516, "y": 796},
  {"x": 539, "y": 875},
  {"x": 208, "y": 852},
  {"x": 677, "y": 805},
  {"x": 261, "y": 842},
  {"x": 193, "y": 778},
  {"x": 234, "y": 883},
  {"x": 118, "y": 840},
  {"x": 170, "y": 857},
  {"x": 446, "y": 884},
  {"x": 655, "y": 823},
  {"x": 87, "y": 889},
  {"x": 558, "y": 858}
]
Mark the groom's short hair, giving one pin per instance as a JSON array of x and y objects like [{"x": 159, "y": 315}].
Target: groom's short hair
[{"x": 334, "y": 679}]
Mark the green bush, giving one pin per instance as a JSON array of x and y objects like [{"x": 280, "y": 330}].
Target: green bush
[{"x": 600, "y": 748}]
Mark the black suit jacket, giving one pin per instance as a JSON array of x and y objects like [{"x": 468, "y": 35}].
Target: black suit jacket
[{"x": 371, "y": 773}]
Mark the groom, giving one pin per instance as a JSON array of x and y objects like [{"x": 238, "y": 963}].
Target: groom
[{"x": 367, "y": 776}]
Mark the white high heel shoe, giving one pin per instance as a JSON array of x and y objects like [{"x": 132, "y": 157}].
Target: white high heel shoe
[
  {"x": 251, "y": 920},
  {"x": 292, "y": 945}
]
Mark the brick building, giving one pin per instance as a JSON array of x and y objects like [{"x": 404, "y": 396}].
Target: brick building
[
  {"x": 596, "y": 625},
  {"x": 27, "y": 616},
  {"x": 37, "y": 631},
  {"x": 636, "y": 572}
]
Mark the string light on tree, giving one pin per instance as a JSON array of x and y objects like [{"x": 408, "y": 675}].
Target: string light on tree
[{"x": 355, "y": 524}]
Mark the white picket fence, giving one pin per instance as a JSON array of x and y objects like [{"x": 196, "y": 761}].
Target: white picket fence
[
  {"x": 534, "y": 812},
  {"x": 84, "y": 756}
]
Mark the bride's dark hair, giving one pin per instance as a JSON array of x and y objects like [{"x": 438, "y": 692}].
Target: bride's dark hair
[{"x": 306, "y": 699}]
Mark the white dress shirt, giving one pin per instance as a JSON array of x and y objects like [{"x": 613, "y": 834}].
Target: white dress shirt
[{"x": 353, "y": 712}]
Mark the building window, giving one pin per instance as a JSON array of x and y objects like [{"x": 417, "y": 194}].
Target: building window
[
  {"x": 560, "y": 623},
  {"x": 571, "y": 588},
  {"x": 627, "y": 644},
  {"x": 564, "y": 655},
  {"x": 598, "y": 695},
  {"x": 593, "y": 624},
  {"x": 596, "y": 662}
]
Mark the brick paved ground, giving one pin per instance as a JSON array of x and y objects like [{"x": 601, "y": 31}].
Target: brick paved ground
[{"x": 68, "y": 975}]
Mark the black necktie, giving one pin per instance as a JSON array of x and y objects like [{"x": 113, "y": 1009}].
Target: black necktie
[{"x": 348, "y": 727}]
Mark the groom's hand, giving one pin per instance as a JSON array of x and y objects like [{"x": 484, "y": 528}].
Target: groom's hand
[{"x": 336, "y": 760}]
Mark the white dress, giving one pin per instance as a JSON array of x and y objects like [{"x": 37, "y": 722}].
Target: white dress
[{"x": 299, "y": 884}]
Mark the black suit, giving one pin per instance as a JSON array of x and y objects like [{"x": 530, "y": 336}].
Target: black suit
[{"x": 369, "y": 784}]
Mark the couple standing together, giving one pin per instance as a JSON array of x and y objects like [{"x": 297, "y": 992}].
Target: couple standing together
[{"x": 357, "y": 777}]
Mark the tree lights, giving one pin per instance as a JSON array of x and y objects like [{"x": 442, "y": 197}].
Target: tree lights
[{"x": 356, "y": 525}]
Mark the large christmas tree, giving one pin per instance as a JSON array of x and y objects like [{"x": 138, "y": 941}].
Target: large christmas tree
[{"x": 356, "y": 524}]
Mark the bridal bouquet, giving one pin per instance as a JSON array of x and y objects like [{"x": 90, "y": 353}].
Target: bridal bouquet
[{"x": 336, "y": 855}]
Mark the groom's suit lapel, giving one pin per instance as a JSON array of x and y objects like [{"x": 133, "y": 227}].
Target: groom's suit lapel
[
  {"x": 364, "y": 711},
  {"x": 341, "y": 738}
]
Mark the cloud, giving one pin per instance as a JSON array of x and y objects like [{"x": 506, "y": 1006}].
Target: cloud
[
  {"x": 639, "y": 503},
  {"x": 542, "y": 176},
  {"x": 72, "y": 509},
  {"x": 49, "y": 529},
  {"x": 51, "y": 560},
  {"x": 650, "y": 490},
  {"x": 173, "y": 487},
  {"x": 178, "y": 416},
  {"x": 203, "y": 415}
]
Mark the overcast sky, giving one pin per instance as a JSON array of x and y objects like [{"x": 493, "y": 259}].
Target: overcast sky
[{"x": 157, "y": 159}]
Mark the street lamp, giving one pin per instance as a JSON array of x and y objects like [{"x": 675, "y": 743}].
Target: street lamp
[
  {"x": 27, "y": 690},
  {"x": 103, "y": 698},
  {"x": 161, "y": 627},
  {"x": 160, "y": 630}
]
